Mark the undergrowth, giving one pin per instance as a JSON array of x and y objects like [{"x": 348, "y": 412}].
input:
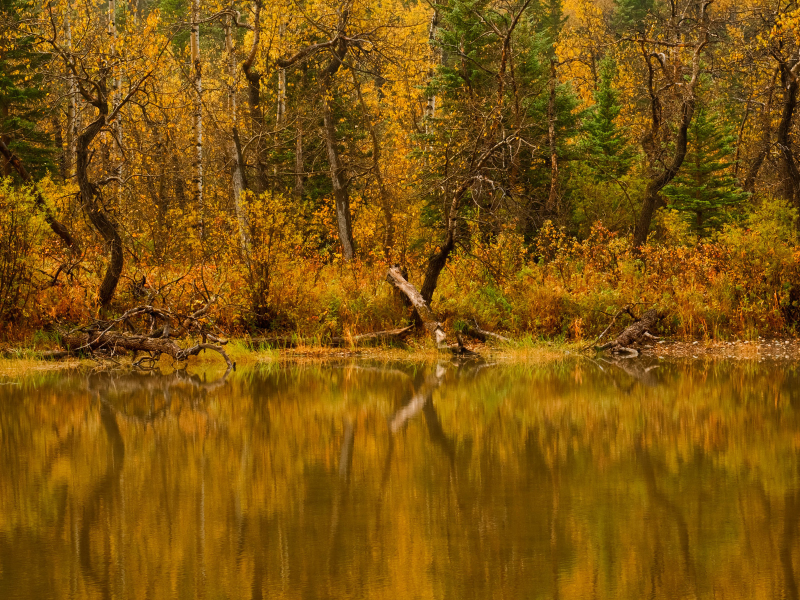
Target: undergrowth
[{"x": 738, "y": 283}]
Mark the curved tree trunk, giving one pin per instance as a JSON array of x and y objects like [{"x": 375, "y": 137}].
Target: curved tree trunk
[
  {"x": 655, "y": 185},
  {"x": 91, "y": 199},
  {"x": 239, "y": 183}
]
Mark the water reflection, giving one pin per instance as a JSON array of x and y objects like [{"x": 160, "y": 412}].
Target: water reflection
[{"x": 578, "y": 480}]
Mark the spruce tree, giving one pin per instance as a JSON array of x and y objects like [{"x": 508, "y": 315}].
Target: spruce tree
[
  {"x": 630, "y": 15},
  {"x": 607, "y": 150},
  {"x": 21, "y": 89},
  {"x": 704, "y": 187}
]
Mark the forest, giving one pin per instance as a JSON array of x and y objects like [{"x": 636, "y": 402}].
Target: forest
[{"x": 533, "y": 166}]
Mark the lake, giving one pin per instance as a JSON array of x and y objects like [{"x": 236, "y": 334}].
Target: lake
[{"x": 574, "y": 480}]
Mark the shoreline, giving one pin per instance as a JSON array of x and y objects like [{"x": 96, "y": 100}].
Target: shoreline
[
  {"x": 778, "y": 349},
  {"x": 760, "y": 350}
]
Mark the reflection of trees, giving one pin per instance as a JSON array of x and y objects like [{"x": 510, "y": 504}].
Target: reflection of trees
[
  {"x": 466, "y": 483},
  {"x": 104, "y": 495},
  {"x": 791, "y": 509},
  {"x": 660, "y": 499}
]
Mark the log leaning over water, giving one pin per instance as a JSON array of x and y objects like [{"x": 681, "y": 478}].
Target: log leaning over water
[
  {"x": 426, "y": 315},
  {"x": 634, "y": 334}
]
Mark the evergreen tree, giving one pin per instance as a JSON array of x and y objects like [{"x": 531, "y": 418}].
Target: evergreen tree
[
  {"x": 630, "y": 15},
  {"x": 704, "y": 187},
  {"x": 21, "y": 90},
  {"x": 608, "y": 153}
]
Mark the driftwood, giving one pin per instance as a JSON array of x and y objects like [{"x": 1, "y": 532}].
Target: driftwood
[
  {"x": 633, "y": 334},
  {"x": 429, "y": 320}
]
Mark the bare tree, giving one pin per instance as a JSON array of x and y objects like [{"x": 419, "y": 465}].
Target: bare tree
[{"x": 673, "y": 75}]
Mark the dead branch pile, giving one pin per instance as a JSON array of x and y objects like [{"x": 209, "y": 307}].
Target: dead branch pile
[
  {"x": 642, "y": 329},
  {"x": 122, "y": 336}
]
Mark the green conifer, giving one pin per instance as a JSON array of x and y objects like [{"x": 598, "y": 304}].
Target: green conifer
[
  {"x": 704, "y": 187},
  {"x": 630, "y": 15},
  {"x": 21, "y": 89},
  {"x": 608, "y": 153}
]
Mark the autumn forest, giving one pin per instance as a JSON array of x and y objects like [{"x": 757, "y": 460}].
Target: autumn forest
[{"x": 530, "y": 165}]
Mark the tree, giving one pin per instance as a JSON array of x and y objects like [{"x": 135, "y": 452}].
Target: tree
[
  {"x": 22, "y": 90},
  {"x": 705, "y": 188},
  {"x": 502, "y": 114},
  {"x": 606, "y": 146},
  {"x": 91, "y": 72},
  {"x": 673, "y": 66},
  {"x": 630, "y": 15}
]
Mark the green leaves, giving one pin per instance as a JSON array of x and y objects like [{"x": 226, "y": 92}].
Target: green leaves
[{"x": 704, "y": 188}]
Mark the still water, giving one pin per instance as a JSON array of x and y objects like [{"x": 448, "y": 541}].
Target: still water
[{"x": 358, "y": 480}]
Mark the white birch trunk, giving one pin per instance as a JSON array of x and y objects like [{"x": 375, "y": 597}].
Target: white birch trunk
[{"x": 430, "y": 105}]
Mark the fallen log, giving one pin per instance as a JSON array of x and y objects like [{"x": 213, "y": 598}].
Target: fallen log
[
  {"x": 429, "y": 320},
  {"x": 634, "y": 334},
  {"x": 366, "y": 339},
  {"x": 114, "y": 342},
  {"x": 475, "y": 331}
]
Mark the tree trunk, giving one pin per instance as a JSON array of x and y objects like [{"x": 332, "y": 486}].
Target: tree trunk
[
  {"x": 435, "y": 266},
  {"x": 790, "y": 177},
  {"x": 116, "y": 342},
  {"x": 58, "y": 141},
  {"x": 655, "y": 185},
  {"x": 338, "y": 181},
  {"x": 116, "y": 125},
  {"x": 340, "y": 195},
  {"x": 552, "y": 198},
  {"x": 385, "y": 198},
  {"x": 253, "y": 78},
  {"x": 634, "y": 333},
  {"x": 197, "y": 84},
  {"x": 430, "y": 103},
  {"x": 72, "y": 99},
  {"x": 299, "y": 169},
  {"x": 237, "y": 176},
  {"x": 429, "y": 320},
  {"x": 766, "y": 140},
  {"x": 93, "y": 206}
]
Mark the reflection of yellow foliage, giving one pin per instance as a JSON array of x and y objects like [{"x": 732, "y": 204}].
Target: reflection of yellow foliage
[{"x": 528, "y": 472}]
